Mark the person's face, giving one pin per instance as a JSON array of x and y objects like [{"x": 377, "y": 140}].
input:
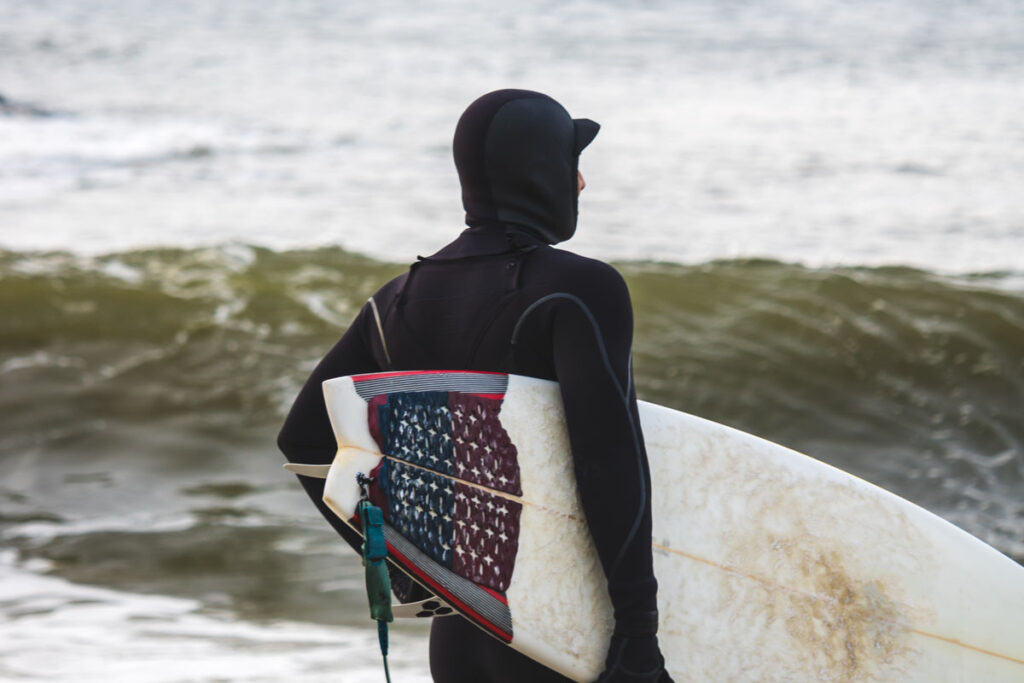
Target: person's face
[{"x": 580, "y": 183}]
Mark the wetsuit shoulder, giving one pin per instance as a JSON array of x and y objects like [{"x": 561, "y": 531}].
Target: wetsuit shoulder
[
  {"x": 572, "y": 265},
  {"x": 563, "y": 277},
  {"x": 594, "y": 282}
]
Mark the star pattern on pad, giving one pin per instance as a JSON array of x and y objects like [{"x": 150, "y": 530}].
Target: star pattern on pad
[
  {"x": 435, "y": 439},
  {"x": 483, "y": 448}
]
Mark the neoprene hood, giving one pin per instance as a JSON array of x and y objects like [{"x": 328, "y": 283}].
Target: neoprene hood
[{"x": 517, "y": 153}]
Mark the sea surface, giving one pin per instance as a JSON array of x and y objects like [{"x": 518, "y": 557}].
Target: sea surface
[{"x": 816, "y": 207}]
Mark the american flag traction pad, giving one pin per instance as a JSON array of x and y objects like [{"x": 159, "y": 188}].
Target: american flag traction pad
[{"x": 448, "y": 485}]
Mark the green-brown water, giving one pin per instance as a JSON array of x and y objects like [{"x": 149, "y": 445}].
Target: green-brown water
[{"x": 141, "y": 393}]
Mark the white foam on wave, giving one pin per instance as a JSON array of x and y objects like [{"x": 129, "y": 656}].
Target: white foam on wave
[
  {"x": 822, "y": 133},
  {"x": 54, "y": 630}
]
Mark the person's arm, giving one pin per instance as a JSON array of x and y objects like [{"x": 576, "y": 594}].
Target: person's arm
[
  {"x": 591, "y": 339},
  {"x": 307, "y": 436}
]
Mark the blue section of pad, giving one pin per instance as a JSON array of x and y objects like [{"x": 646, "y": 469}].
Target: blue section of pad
[
  {"x": 420, "y": 507},
  {"x": 417, "y": 427}
]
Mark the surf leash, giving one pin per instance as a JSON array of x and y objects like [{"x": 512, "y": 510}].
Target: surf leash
[{"x": 375, "y": 553}]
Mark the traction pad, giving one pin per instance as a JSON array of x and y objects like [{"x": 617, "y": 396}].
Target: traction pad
[{"x": 433, "y": 439}]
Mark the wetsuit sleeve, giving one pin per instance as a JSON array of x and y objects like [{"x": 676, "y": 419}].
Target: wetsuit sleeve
[
  {"x": 307, "y": 436},
  {"x": 591, "y": 339}
]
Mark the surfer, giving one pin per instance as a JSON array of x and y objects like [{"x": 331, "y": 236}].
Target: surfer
[{"x": 501, "y": 298}]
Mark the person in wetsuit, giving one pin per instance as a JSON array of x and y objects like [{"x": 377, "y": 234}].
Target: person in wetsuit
[{"x": 500, "y": 298}]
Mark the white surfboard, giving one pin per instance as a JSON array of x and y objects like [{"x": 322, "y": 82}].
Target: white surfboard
[{"x": 771, "y": 566}]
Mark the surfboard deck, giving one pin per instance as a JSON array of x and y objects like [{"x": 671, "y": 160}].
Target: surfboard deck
[{"x": 771, "y": 565}]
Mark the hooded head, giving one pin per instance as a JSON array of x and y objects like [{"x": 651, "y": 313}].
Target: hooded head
[{"x": 517, "y": 153}]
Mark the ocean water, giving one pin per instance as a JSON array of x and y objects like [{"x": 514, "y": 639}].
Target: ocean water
[{"x": 815, "y": 206}]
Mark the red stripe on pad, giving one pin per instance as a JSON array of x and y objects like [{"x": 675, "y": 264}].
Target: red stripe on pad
[
  {"x": 398, "y": 373},
  {"x": 500, "y": 597},
  {"x": 461, "y": 606}
]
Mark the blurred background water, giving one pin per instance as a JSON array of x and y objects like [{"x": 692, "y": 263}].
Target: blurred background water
[{"x": 816, "y": 206}]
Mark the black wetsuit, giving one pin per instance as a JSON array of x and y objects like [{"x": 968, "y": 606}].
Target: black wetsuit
[{"x": 499, "y": 298}]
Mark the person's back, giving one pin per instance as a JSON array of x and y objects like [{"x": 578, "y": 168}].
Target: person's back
[{"x": 500, "y": 298}]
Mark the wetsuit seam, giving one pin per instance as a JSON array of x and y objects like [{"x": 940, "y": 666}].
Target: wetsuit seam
[
  {"x": 625, "y": 398},
  {"x": 380, "y": 332}
]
